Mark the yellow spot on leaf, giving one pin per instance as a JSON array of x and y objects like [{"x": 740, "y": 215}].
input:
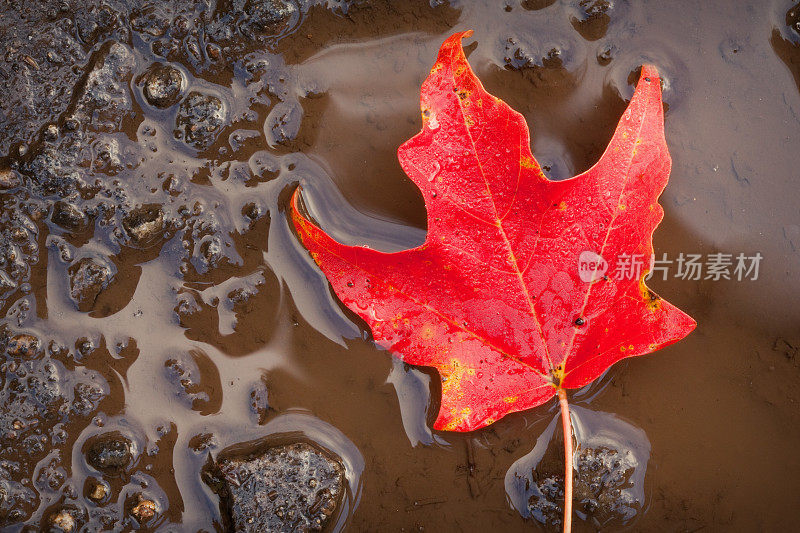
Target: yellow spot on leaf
[
  {"x": 451, "y": 426},
  {"x": 650, "y": 298},
  {"x": 510, "y": 399},
  {"x": 562, "y": 206},
  {"x": 527, "y": 162},
  {"x": 558, "y": 375}
]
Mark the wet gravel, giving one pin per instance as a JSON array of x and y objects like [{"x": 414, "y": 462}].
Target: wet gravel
[{"x": 290, "y": 487}]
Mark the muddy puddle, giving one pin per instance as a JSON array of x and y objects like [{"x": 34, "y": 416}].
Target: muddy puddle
[{"x": 169, "y": 349}]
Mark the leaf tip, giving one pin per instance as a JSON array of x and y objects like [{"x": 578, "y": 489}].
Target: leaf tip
[
  {"x": 301, "y": 223},
  {"x": 294, "y": 204},
  {"x": 650, "y": 74}
]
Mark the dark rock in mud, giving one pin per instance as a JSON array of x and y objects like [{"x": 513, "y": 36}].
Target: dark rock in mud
[
  {"x": 535, "y": 5},
  {"x": 549, "y": 68},
  {"x": 200, "y": 119},
  {"x": 163, "y": 85},
  {"x": 109, "y": 452},
  {"x": 51, "y": 133},
  {"x": 42, "y": 60},
  {"x": 88, "y": 277},
  {"x": 788, "y": 349},
  {"x": 24, "y": 345},
  {"x": 601, "y": 477},
  {"x": 607, "y": 54},
  {"x": 269, "y": 16},
  {"x": 37, "y": 398},
  {"x": 16, "y": 499},
  {"x": 259, "y": 401},
  {"x": 592, "y": 23},
  {"x": 292, "y": 487},
  {"x": 32, "y": 393},
  {"x": 198, "y": 381},
  {"x": 252, "y": 20},
  {"x": 66, "y": 519},
  {"x": 68, "y": 216},
  {"x": 603, "y": 473},
  {"x": 9, "y": 178},
  {"x": 98, "y": 21},
  {"x": 144, "y": 224},
  {"x": 106, "y": 99},
  {"x": 283, "y": 123},
  {"x": 209, "y": 253},
  {"x": 103, "y": 103},
  {"x": 96, "y": 490},
  {"x": 210, "y": 249},
  {"x": 143, "y": 509}
]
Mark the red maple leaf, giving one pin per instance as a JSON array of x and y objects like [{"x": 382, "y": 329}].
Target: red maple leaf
[{"x": 507, "y": 298}]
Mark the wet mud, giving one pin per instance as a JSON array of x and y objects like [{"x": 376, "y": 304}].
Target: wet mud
[{"x": 164, "y": 335}]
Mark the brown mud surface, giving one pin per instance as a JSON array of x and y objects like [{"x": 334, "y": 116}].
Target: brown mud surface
[{"x": 158, "y": 313}]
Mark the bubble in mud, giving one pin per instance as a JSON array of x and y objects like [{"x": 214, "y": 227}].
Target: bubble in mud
[
  {"x": 610, "y": 460},
  {"x": 163, "y": 85}
]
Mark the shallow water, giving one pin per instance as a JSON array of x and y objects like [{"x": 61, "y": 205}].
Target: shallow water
[{"x": 221, "y": 330}]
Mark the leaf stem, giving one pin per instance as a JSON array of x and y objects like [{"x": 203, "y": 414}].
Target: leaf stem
[{"x": 565, "y": 420}]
